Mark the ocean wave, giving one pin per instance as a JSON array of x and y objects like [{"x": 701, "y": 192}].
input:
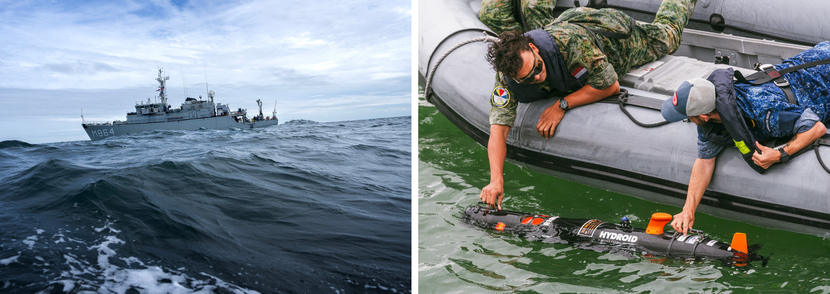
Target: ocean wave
[
  {"x": 295, "y": 122},
  {"x": 328, "y": 203},
  {"x": 14, "y": 144}
]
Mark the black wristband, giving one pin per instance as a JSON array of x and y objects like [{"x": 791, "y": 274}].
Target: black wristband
[{"x": 784, "y": 156}]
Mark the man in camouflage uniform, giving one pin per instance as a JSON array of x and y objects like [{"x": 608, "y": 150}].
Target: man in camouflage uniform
[
  {"x": 738, "y": 113},
  {"x": 581, "y": 55}
]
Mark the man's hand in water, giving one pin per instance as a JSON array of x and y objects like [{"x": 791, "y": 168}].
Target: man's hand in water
[{"x": 493, "y": 194}]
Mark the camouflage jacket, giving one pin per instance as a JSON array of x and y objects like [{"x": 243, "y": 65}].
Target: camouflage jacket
[{"x": 578, "y": 50}]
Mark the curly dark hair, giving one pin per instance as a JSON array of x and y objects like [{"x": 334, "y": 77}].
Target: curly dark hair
[{"x": 505, "y": 55}]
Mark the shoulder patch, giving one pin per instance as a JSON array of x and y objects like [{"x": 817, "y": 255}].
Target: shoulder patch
[
  {"x": 500, "y": 97},
  {"x": 579, "y": 72}
]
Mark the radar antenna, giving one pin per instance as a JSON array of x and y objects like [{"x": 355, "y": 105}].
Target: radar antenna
[
  {"x": 162, "y": 88},
  {"x": 206, "y": 85},
  {"x": 184, "y": 82},
  {"x": 259, "y": 103}
]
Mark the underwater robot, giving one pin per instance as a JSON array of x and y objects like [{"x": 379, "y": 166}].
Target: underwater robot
[{"x": 597, "y": 235}]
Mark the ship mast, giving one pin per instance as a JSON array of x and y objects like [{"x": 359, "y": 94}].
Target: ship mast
[
  {"x": 162, "y": 85},
  {"x": 209, "y": 92},
  {"x": 259, "y": 102}
]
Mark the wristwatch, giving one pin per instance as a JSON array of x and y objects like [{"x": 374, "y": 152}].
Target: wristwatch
[
  {"x": 563, "y": 104},
  {"x": 784, "y": 156}
]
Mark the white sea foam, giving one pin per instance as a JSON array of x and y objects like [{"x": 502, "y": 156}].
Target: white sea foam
[
  {"x": 107, "y": 225},
  {"x": 101, "y": 275},
  {"x": 30, "y": 241},
  {"x": 131, "y": 260},
  {"x": 68, "y": 285},
  {"x": 381, "y": 287},
  {"x": 7, "y": 261},
  {"x": 75, "y": 240}
]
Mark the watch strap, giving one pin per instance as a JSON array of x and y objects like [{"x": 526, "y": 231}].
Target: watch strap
[
  {"x": 564, "y": 104},
  {"x": 784, "y": 155}
]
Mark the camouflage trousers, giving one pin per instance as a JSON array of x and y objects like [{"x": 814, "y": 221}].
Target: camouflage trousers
[
  {"x": 498, "y": 14},
  {"x": 663, "y": 34},
  {"x": 651, "y": 41}
]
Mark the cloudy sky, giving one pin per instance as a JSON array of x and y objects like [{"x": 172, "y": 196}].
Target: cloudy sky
[{"x": 322, "y": 60}]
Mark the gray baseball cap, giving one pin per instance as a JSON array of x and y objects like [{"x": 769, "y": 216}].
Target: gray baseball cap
[{"x": 693, "y": 97}]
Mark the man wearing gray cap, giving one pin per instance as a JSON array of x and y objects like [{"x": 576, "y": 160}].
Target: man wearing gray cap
[{"x": 791, "y": 100}]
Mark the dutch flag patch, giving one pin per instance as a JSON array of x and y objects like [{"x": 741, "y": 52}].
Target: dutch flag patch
[{"x": 579, "y": 73}]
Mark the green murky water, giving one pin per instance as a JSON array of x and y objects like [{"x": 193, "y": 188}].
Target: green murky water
[{"x": 456, "y": 258}]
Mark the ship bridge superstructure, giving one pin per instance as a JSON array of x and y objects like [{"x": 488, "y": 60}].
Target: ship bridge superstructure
[{"x": 192, "y": 108}]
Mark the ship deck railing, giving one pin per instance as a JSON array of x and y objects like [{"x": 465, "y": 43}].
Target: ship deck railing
[
  {"x": 121, "y": 122},
  {"x": 98, "y": 123}
]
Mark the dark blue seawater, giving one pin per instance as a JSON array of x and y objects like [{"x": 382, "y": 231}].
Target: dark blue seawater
[{"x": 302, "y": 207}]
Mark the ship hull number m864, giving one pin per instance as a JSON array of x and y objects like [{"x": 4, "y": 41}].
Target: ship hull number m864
[{"x": 103, "y": 132}]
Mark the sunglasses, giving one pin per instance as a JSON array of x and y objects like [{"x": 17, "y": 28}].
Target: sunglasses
[{"x": 537, "y": 68}]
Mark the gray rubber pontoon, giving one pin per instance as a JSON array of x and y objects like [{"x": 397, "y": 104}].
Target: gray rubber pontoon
[{"x": 598, "y": 145}]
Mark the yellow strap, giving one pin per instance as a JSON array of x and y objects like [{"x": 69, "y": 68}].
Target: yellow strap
[{"x": 741, "y": 146}]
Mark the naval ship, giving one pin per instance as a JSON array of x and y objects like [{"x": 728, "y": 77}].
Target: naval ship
[{"x": 192, "y": 115}]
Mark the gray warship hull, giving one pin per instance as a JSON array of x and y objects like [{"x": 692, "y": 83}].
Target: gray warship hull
[{"x": 103, "y": 131}]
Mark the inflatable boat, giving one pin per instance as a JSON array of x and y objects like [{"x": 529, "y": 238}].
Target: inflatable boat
[{"x": 614, "y": 145}]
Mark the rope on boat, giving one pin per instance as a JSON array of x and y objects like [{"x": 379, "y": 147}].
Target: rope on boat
[
  {"x": 622, "y": 99},
  {"x": 815, "y": 145},
  {"x": 427, "y": 87},
  {"x": 822, "y": 141},
  {"x": 818, "y": 155}
]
